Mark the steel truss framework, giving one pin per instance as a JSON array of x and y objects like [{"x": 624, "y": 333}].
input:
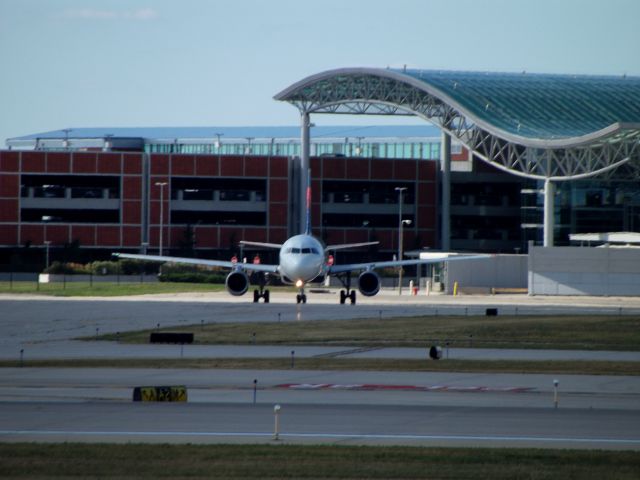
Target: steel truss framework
[{"x": 362, "y": 91}]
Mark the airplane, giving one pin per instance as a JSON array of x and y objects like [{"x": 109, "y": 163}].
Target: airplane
[{"x": 302, "y": 259}]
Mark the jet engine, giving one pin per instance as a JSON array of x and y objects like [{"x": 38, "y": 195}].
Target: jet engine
[
  {"x": 237, "y": 283},
  {"x": 369, "y": 283}
]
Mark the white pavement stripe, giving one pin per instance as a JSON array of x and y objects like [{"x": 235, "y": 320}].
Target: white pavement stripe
[{"x": 482, "y": 438}]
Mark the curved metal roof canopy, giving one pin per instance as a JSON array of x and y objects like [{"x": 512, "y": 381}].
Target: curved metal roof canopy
[{"x": 553, "y": 127}]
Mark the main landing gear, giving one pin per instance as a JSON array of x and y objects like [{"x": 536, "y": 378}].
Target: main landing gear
[
  {"x": 261, "y": 292},
  {"x": 349, "y": 293}
]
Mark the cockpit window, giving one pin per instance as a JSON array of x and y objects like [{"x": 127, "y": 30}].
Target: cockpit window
[{"x": 305, "y": 251}]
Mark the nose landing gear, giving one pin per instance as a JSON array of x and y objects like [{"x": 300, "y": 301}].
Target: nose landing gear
[{"x": 301, "y": 297}]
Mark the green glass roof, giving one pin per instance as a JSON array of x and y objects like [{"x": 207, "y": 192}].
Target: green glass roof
[
  {"x": 540, "y": 106},
  {"x": 536, "y": 125}
]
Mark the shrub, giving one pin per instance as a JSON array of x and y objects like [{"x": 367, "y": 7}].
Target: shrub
[
  {"x": 174, "y": 272},
  {"x": 59, "y": 268},
  {"x": 103, "y": 268},
  {"x": 136, "y": 267},
  {"x": 192, "y": 277}
]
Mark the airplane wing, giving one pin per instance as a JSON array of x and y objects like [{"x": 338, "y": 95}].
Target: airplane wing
[
  {"x": 261, "y": 244},
  {"x": 348, "y": 245},
  {"x": 261, "y": 267},
  {"x": 400, "y": 263}
]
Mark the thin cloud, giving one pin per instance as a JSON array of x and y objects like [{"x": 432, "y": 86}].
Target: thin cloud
[{"x": 142, "y": 14}]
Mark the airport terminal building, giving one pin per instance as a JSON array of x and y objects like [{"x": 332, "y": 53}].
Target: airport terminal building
[{"x": 510, "y": 159}]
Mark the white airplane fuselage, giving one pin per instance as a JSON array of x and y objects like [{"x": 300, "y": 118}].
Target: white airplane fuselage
[{"x": 302, "y": 259}]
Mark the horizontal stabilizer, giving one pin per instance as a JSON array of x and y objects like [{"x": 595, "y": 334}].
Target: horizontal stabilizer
[
  {"x": 401, "y": 263},
  {"x": 199, "y": 261},
  {"x": 261, "y": 244},
  {"x": 349, "y": 245}
]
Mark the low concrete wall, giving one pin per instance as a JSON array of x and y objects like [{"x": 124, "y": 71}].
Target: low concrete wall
[
  {"x": 483, "y": 275},
  {"x": 584, "y": 271},
  {"x": 51, "y": 278}
]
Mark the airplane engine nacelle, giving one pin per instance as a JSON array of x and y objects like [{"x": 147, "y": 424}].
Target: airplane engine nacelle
[
  {"x": 237, "y": 283},
  {"x": 369, "y": 283}
]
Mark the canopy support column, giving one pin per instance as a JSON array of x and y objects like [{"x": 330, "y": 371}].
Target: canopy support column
[
  {"x": 549, "y": 212},
  {"x": 445, "y": 181},
  {"x": 305, "y": 149}
]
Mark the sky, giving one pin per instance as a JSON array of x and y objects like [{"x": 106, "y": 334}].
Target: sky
[{"x": 127, "y": 63}]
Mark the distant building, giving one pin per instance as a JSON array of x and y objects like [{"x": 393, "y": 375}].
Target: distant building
[{"x": 90, "y": 192}]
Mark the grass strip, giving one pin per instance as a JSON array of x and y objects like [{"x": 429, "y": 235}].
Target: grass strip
[
  {"x": 353, "y": 364},
  {"x": 77, "y": 460},
  {"x": 104, "y": 289},
  {"x": 534, "y": 332}
]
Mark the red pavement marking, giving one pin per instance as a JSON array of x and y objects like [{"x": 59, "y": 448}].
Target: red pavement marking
[{"x": 416, "y": 388}]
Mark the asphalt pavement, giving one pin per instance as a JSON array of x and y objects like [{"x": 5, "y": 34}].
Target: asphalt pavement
[{"x": 95, "y": 404}]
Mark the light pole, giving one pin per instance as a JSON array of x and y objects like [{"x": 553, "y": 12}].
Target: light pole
[
  {"x": 47, "y": 243},
  {"x": 400, "y": 191},
  {"x": 161, "y": 185},
  {"x": 46, "y": 219},
  {"x": 402, "y": 224}
]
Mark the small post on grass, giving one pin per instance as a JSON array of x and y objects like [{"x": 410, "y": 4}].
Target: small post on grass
[
  {"x": 255, "y": 390},
  {"x": 293, "y": 358},
  {"x": 279, "y": 317},
  {"x": 276, "y": 429},
  {"x": 555, "y": 393},
  {"x": 21, "y": 357}
]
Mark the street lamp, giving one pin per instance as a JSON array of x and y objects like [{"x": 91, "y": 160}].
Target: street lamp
[
  {"x": 161, "y": 185},
  {"x": 47, "y": 243},
  {"x": 400, "y": 191},
  {"x": 46, "y": 219},
  {"x": 404, "y": 222}
]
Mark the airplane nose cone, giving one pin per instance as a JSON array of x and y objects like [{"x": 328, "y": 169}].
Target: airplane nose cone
[{"x": 305, "y": 269}]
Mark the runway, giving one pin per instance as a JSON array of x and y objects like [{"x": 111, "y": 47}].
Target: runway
[
  {"x": 325, "y": 387},
  {"x": 344, "y": 424},
  {"x": 391, "y": 408}
]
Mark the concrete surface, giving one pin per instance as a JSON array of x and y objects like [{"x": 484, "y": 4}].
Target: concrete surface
[{"x": 57, "y": 404}]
